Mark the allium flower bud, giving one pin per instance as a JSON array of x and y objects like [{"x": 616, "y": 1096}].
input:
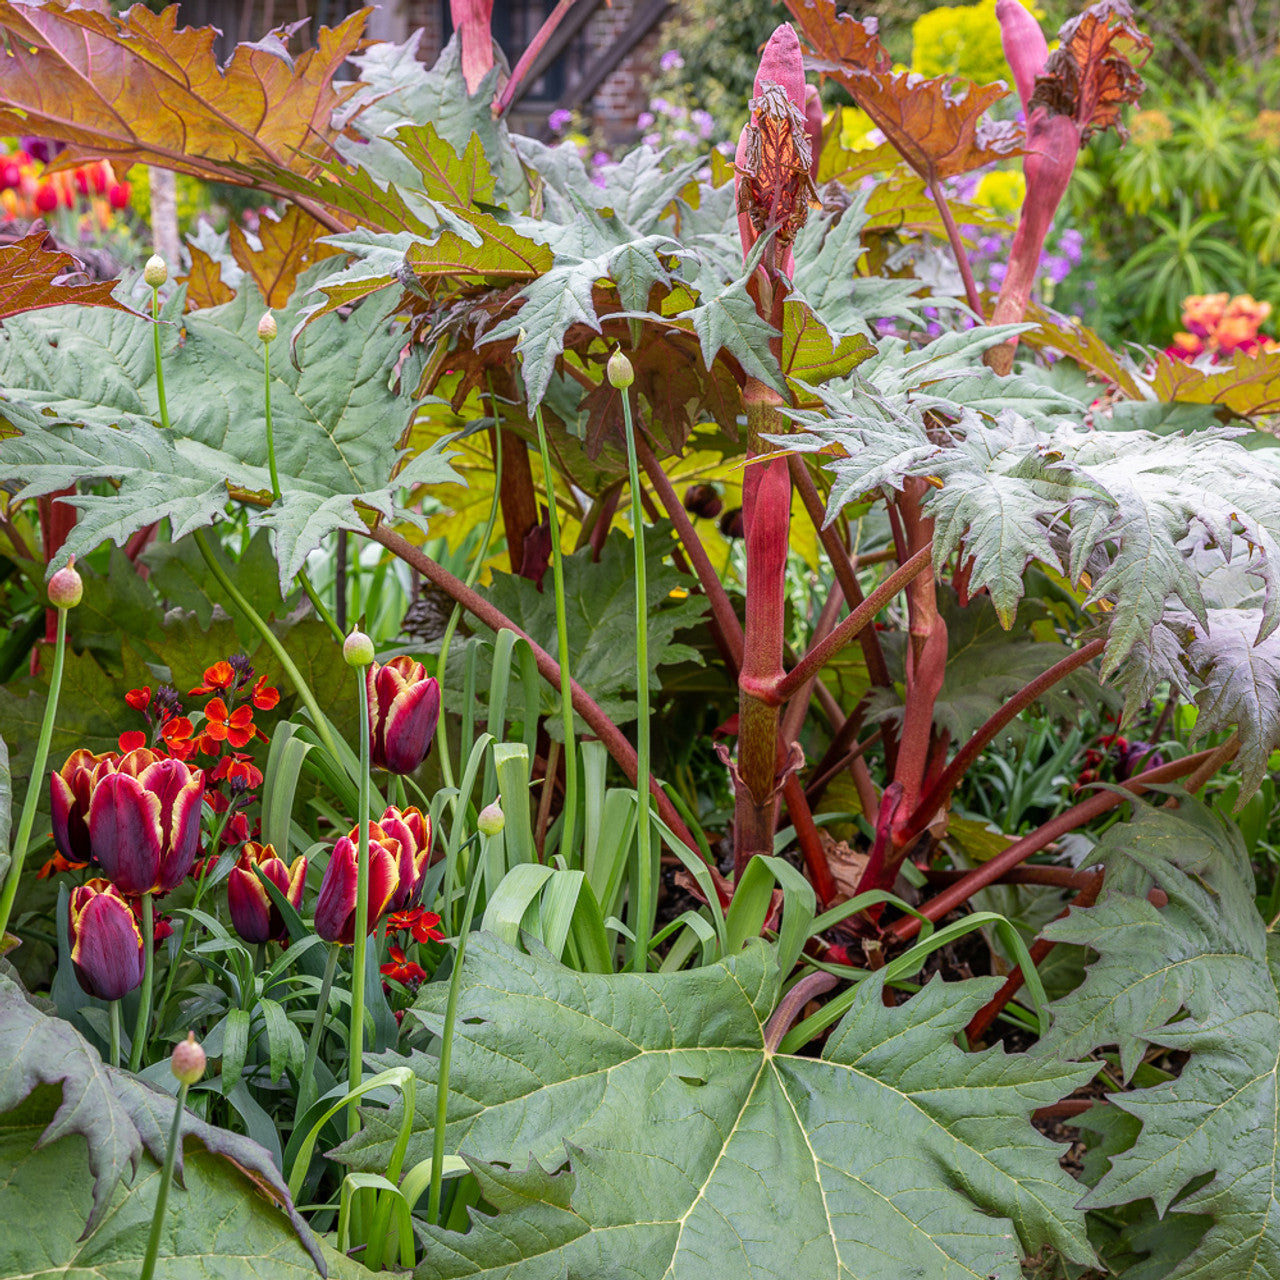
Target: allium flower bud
[
  {"x": 155, "y": 273},
  {"x": 187, "y": 1060},
  {"x": 357, "y": 649},
  {"x": 621, "y": 374},
  {"x": 267, "y": 327},
  {"x": 66, "y": 587},
  {"x": 491, "y": 820}
]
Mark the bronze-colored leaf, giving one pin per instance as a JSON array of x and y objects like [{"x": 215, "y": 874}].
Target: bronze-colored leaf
[
  {"x": 205, "y": 285},
  {"x": 289, "y": 247},
  {"x": 33, "y": 276},
  {"x": 1091, "y": 75},
  {"x": 136, "y": 87},
  {"x": 1068, "y": 336},
  {"x": 936, "y": 124},
  {"x": 1248, "y": 385}
]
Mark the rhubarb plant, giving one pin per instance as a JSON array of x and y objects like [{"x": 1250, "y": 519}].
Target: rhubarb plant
[{"x": 984, "y": 533}]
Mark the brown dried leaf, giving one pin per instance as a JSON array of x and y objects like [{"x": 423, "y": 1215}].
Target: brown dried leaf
[
  {"x": 134, "y": 88},
  {"x": 936, "y": 124},
  {"x": 33, "y": 276},
  {"x": 205, "y": 285},
  {"x": 1090, "y": 77},
  {"x": 288, "y": 248}
]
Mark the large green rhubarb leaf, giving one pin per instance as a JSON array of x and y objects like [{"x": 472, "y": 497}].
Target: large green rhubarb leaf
[
  {"x": 338, "y": 424},
  {"x": 81, "y": 1146},
  {"x": 697, "y": 1151},
  {"x": 1198, "y": 975}
]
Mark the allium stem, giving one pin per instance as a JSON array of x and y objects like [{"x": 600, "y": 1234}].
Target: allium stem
[
  {"x": 36, "y": 783},
  {"x": 162, "y": 1193},
  {"x": 562, "y": 648},
  {"x": 155, "y": 335},
  {"x": 142, "y": 1028},
  {"x": 446, "y": 1050},
  {"x": 271, "y": 440},
  {"x": 642, "y": 923},
  {"x": 359, "y": 954}
]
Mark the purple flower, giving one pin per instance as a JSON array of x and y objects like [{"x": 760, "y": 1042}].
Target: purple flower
[
  {"x": 601, "y": 158},
  {"x": 560, "y": 120},
  {"x": 671, "y": 60},
  {"x": 705, "y": 123},
  {"x": 1057, "y": 268},
  {"x": 683, "y": 135},
  {"x": 645, "y": 119},
  {"x": 651, "y": 139},
  {"x": 1072, "y": 245},
  {"x": 661, "y": 106}
]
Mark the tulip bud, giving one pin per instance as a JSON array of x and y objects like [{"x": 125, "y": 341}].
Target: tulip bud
[
  {"x": 253, "y": 914},
  {"x": 106, "y": 943},
  {"x": 267, "y": 327},
  {"x": 357, "y": 649},
  {"x": 187, "y": 1060},
  {"x": 491, "y": 820},
  {"x": 66, "y": 587},
  {"x": 155, "y": 273},
  {"x": 404, "y": 709},
  {"x": 621, "y": 374}
]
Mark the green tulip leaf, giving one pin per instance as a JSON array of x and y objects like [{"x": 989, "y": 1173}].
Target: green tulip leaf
[{"x": 695, "y": 1150}]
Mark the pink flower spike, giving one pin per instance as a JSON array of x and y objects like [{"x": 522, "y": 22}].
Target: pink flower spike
[
  {"x": 1025, "y": 48},
  {"x": 782, "y": 63}
]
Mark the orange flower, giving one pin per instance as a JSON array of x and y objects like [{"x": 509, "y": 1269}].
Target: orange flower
[
  {"x": 219, "y": 676},
  {"x": 235, "y": 727},
  {"x": 264, "y": 697}
]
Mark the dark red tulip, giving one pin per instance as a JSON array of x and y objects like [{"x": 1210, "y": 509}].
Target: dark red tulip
[
  {"x": 69, "y": 792},
  {"x": 144, "y": 821},
  {"x": 106, "y": 943},
  {"x": 404, "y": 706},
  {"x": 336, "y": 905},
  {"x": 256, "y": 918},
  {"x": 412, "y": 830}
]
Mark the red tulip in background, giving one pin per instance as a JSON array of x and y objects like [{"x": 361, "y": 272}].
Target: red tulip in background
[
  {"x": 256, "y": 918},
  {"x": 336, "y": 904},
  {"x": 404, "y": 706},
  {"x": 144, "y": 821},
  {"x": 106, "y": 943}
]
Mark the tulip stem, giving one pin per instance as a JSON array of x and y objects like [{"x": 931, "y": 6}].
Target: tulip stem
[
  {"x": 642, "y": 922},
  {"x": 446, "y": 1053},
  {"x": 166, "y": 1177},
  {"x": 175, "y": 955},
  {"x": 562, "y": 638},
  {"x": 143, "y": 1027},
  {"x": 307, "y": 1082},
  {"x": 355, "y": 1039},
  {"x": 155, "y": 335},
  {"x": 36, "y": 781},
  {"x": 272, "y": 642},
  {"x": 114, "y": 1054}
]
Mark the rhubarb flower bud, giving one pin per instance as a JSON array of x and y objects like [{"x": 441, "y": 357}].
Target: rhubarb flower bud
[
  {"x": 106, "y": 943},
  {"x": 187, "y": 1061},
  {"x": 336, "y": 904},
  {"x": 155, "y": 273},
  {"x": 256, "y": 918},
  {"x": 404, "y": 708}
]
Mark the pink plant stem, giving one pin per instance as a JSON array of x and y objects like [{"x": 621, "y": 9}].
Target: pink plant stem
[
  {"x": 766, "y": 513},
  {"x": 957, "y": 248},
  {"x": 793, "y": 717},
  {"x": 815, "y": 856},
  {"x": 926, "y": 663},
  {"x": 822, "y": 652},
  {"x": 557, "y": 15},
  {"x": 717, "y": 597},
  {"x": 1040, "y": 949},
  {"x": 841, "y": 564},
  {"x": 471, "y": 20},
  {"x": 613, "y": 738},
  {"x": 941, "y": 791},
  {"x": 1086, "y": 811}
]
